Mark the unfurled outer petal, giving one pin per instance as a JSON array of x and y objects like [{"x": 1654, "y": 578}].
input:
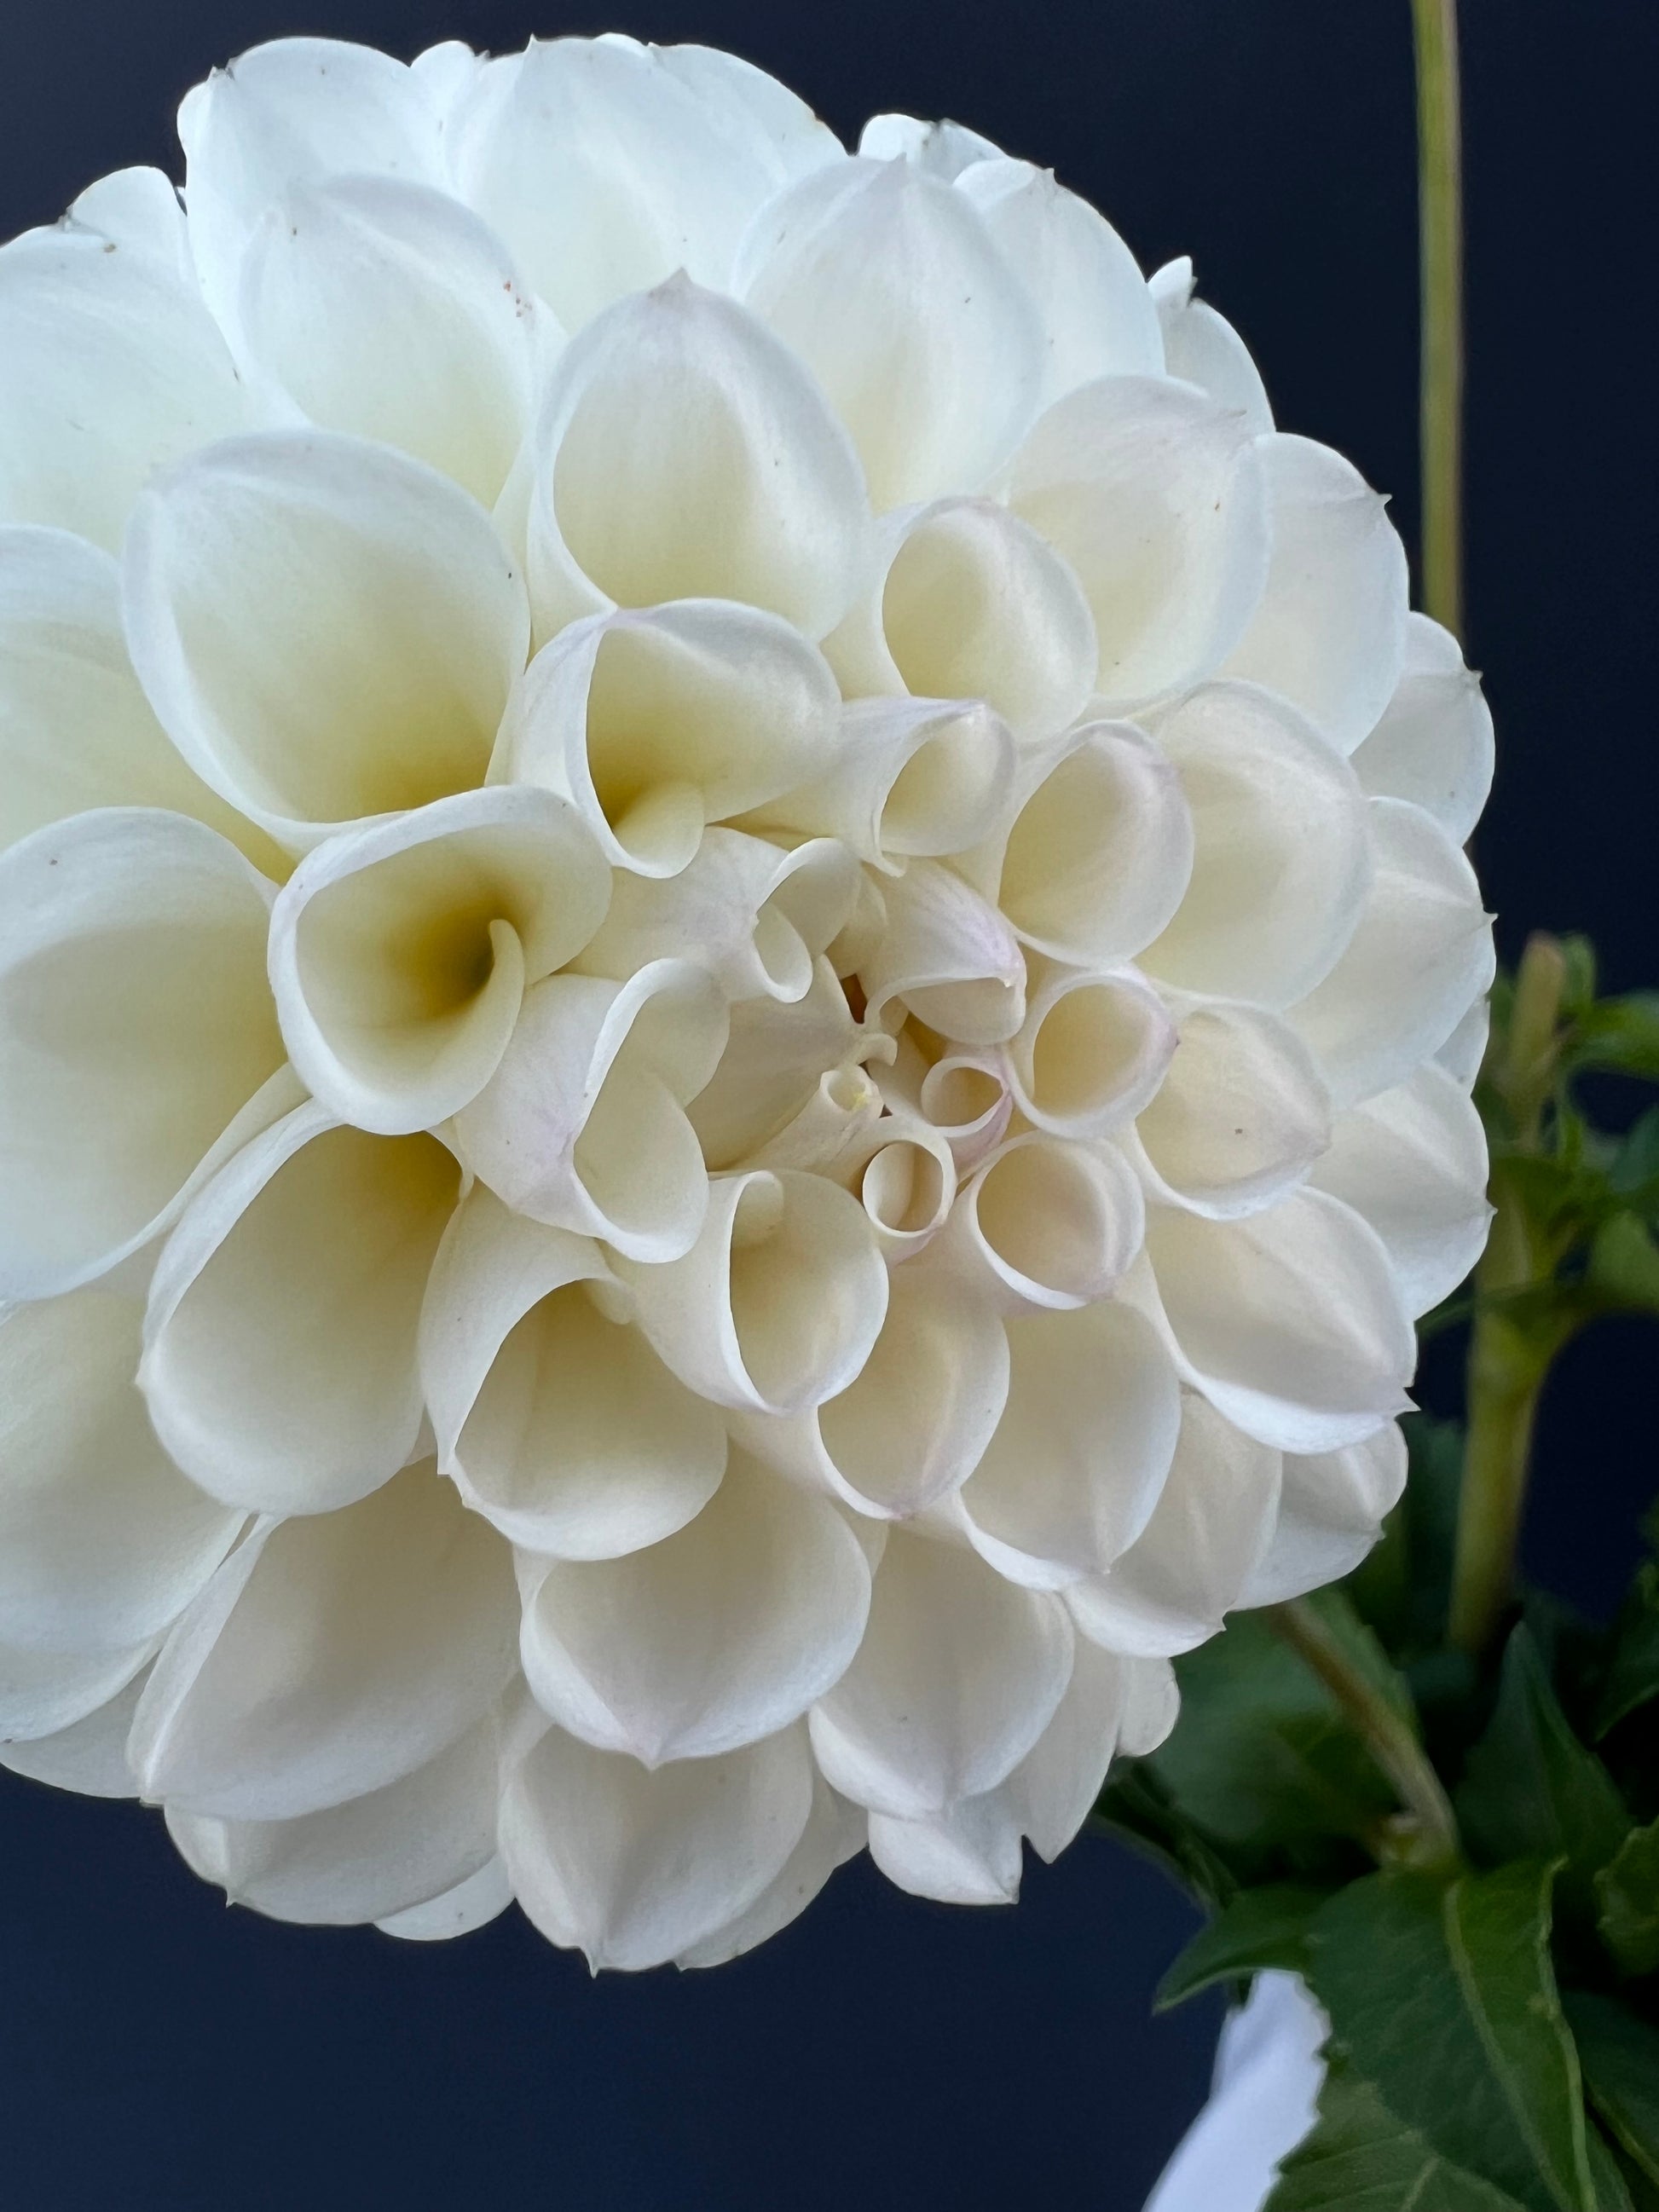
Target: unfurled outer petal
[
  {"x": 1331, "y": 1509},
  {"x": 684, "y": 453},
  {"x": 886, "y": 283},
  {"x": 583, "y": 1124},
  {"x": 1422, "y": 951},
  {"x": 1413, "y": 1163},
  {"x": 1155, "y": 495},
  {"x": 607, "y": 165},
  {"x": 1202, "y": 347},
  {"x": 89, "y": 1755},
  {"x": 1241, "y": 1116},
  {"x": 325, "y": 628},
  {"x": 138, "y": 1044},
  {"x": 110, "y": 368},
  {"x": 778, "y": 1304},
  {"x": 1329, "y": 634},
  {"x": 387, "y": 1851},
  {"x": 959, "y": 1673},
  {"x": 1434, "y": 743},
  {"x": 833, "y": 1833},
  {"x": 1290, "y": 1322},
  {"x": 138, "y": 208},
  {"x": 331, "y": 1655},
  {"x": 482, "y": 1898},
  {"x": 1281, "y": 862},
  {"x": 635, "y": 1867},
  {"x": 948, "y": 955},
  {"x": 400, "y": 952},
  {"x": 713, "y": 1638},
  {"x": 653, "y": 724},
  {"x": 1465, "y": 1050},
  {"x": 557, "y": 1421},
  {"x": 1075, "y": 1469},
  {"x": 1091, "y": 1052},
  {"x": 1193, "y": 1562},
  {"x": 102, "y": 1541},
  {"x": 280, "y": 1343},
  {"x": 942, "y": 150},
  {"x": 1045, "y": 1224},
  {"x": 969, "y": 1854},
  {"x": 45, "y": 1693}
]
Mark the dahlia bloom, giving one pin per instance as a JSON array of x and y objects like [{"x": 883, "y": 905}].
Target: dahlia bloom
[{"x": 737, "y": 995}]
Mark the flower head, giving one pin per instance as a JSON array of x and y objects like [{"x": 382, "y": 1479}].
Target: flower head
[{"x": 736, "y": 996}]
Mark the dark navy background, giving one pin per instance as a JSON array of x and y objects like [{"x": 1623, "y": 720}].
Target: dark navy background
[{"x": 160, "y": 2054}]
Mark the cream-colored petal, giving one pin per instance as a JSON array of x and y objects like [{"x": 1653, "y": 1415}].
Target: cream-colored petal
[
  {"x": 774, "y": 1064},
  {"x": 1045, "y": 1224},
  {"x": 907, "y": 1183},
  {"x": 950, "y": 956},
  {"x": 88, "y": 1756},
  {"x": 1434, "y": 743},
  {"x": 967, "y": 1097},
  {"x": 1331, "y": 1510},
  {"x": 1240, "y": 1118},
  {"x": 1092, "y": 1052},
  {"x": 833, "y": 1833}
]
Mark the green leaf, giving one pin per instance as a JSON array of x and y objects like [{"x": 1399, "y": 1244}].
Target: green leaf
[
  {"x": 1137, "y": 1806},
  {"x": 1265, "y": 1926},
  {"x": 1623, "y": 1274},
  {"x": 1444, "y": 1998},
  {"x": 1612, "y": 2190},
  {"x": 1633, "y": 1675},
  {"x": 1619, "y": 2056},
  {"x": 1531, "y": 1791},
  {"x": 1628, "y": 1891},
  {"x": 1634, "y": 1173},
  {"x": 1360, "y": 2159},
  {"x": 1621, "y": 1034},
  {"x": 1403, "y": 1586}
]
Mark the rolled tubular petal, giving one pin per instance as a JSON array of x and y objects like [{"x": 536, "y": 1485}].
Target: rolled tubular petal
[
  {"x": 834, "y": 1131},
  {"x": 1331, "y": 1510},
  {"x": 834, "y": 1832},
  {"x": 1422, "y": 951},
  {"x": 756, "y": 916},
  {"x": 387, "y": 1851},
  {"x": 1281, "y": 862},
  {"x": 634, "y": 1867},
  {"x": 1071, "y": 1478},
  {"x": 713, "y": 1638},
  {"x": 1241, "y": 1117},
  {"x": 307, "y": 1255},
  {"x": 325, "y": 628},
  {"x": 1202, "y": 347},
  {"x": 683, "y": 453},
  {"x": 1434, "y": 743},
  {"x": 583, "y": 1125},
  {"x": 778, "y": 1304},
  {"x": 1155, "y": 495},
  {"x": 331, "y": 1655},
  {"x": 88, "y": 1756},
  {"x": 1091, "y": 1052},
  {"x": 138, "y": 1044},
  {"x": 400, "y": 953},
  {"x": 654, "y": 724},
  {"x": 907, "y": 778},
  {"x": 967, "y": 1097},
  {"x": 557, "y": 1422},
  {"x": 1329, "y": 634},
  {"x": 950, "y": 956},
  {"x": 103, "y": 1542},
  {"x": 773, "y": 1071},
  {"x": 1044, "y": 1225},
  {"x": 1290, "y": 1322},
  {"x": 887, "y": 284},
  {"x": 907, "y": 1183},
  {"x": 1413, "y": 1163},
  {"x": 1194, "y": 1561},
  {"x": 959, "y": 1675}
]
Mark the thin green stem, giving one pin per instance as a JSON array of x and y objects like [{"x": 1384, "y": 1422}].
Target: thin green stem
[
  {"x": 1386, "y": 1734},
  {"x": 1440, "y": 223}
]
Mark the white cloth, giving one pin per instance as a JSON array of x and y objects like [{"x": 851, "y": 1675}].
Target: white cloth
[{"x": 1268, "y": 2078}]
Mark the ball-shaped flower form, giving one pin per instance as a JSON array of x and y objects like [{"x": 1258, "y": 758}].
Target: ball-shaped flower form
[{"x": 737, "y": 994}]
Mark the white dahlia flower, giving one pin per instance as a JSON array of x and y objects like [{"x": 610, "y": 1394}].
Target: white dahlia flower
[{"x": 737, "y": 995}]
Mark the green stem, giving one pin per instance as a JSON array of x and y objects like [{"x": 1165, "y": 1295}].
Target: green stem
[
  {"x": 1440, "y": 224},
  {"x": 1385, "y": 1733}
]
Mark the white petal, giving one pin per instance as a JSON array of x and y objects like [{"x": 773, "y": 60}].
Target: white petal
[
  {"x": 326, "y": 629},
  {"x": 943, "y": 149},
  {"x": 556, "y": 1420},
  {"x": 1155, "y": 495},
  {"x": 778, "y": 1055},
  {"x": 1434, "y": 743},
  {"x": 1413, "y": 1163},
  {"x": 1331, "y": 1509},
  {"x": 833, "y": 1833},
  {"x": 714, "y": 1637},
  {"x": 886, "y": 284},
  {"x": 1241, "y": 1116},
  {"x": 685, "y": 453},
  {"x": 1152, "y": 1706},
  {"x": 329, "y": 1656},
  {"x": 636, "y": 1866},
  {"x": 139, "y": 208},
  {"x": 959, "y": 1675},
  {"x": 42, "y": 1694},
  {"x": 1051, "y": 1792},
  {"x": 1281, "y": 862},
  {"x": 777, "y": 1305},
  {"x": 583, "y": 1124},
  {"x": 834, "y": 1131},
  {"x": 482, "y": 1898},
  {"x": 386, "y": 309},
  {"x": 656, "y": 723},
  {"x": 89, "y": 1756},
  {"x": 1097, "y": 317},
  {"x": 1194, "y": 1561},
  {"x": 1047, "y": 1225},
  {"x": 280, "y": 1345},
  {"x": 102, "y": 1540},
  {"x": 950, "y": 956},
  {"x": 966, "y": 1096},
  {"x": 137, "y": 1032},
  {"x": 1290, "y": 1322},
  {"x": 1329, "y": 634},
  {"x": 400, "y": 952},
  {"x": 907, "y": 1183},
  {"x": 1202, "y": 347},
  {"x": 1072, "y": 1474},
  {"x": 110, "y": 368},
  {"x": 969, "y": 1854},
  {"x": 1421, "y": 953},
  {"x": 1465, "y": 1050},
  {"x": 1090, "y": 1053},
  {"x": 388, "y": 1851}
]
